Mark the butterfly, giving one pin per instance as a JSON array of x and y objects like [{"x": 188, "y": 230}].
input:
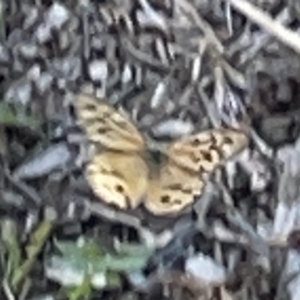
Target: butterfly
[{"x": 125, "y": 172}]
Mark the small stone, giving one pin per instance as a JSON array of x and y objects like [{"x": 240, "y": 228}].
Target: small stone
[
  {"x": 55, "y": 18},
  {"x": 34, "y": 72},
  {"x": 44, "y": 82},
  {"x": 29, "y": 51},
  {"x": 173, "y": 128},
  {"x": 4, "y": 54},
  {"x": 205, "y": 269},
  {"x": 57, "y": 15},
  {"x": 20, "y": 93},
  {"x": 98, "y": 70},
  {"x": 43, "y": 33},
  {"x": 32, "y": 14},
  {"x": 68, "y": 69},
  {"x": 126, "y": 74}
]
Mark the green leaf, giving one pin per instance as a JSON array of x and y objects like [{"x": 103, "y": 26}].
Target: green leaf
[
  {"x": 82, "y": 247},
  {"x": 11, "y": 247},
  {"x": 17, "y": 117},
  {"x": 86, "y": 258},
  {"x": 36, "y": 242},
  {"x": 80, "y": 292}
]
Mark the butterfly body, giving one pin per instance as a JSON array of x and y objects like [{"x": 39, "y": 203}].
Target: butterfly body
[{"x": 127, "y": 173}]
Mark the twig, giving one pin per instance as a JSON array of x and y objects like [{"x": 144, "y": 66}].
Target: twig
[
  {"x": 143, "y": 57},
  {"x": 202, "y": 24},
  {"x": 258, "y": 244},
  {"x": 263, "y": 38},
  {"x": 112, "y": 215},
  {"x": 210, "y": 107},
  {"x": 7, "y": 290},
  {"x": 37, "y": 240},
  {"x": 235, "y": 76},
  {"x": 286, "y": 36},
  {"x": 26, "y": 190}
]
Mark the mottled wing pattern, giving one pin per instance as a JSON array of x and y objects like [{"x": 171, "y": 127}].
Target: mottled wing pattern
[
  {"x": 205, "y": 151},
  {"x": 104, "y": 125},
  {"x": 117, "y": 174},
  {"x": 120, "y": 175},
  {"x": 182, "y": 177},
  {"x": 173, "y": 190},
  {"x": 117, "y": 179}
]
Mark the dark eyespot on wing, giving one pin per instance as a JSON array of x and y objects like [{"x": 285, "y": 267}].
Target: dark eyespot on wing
[
  {"x": 122, "y": 124},
  {"x": 119, "y": 188},
  {"x": 186, "y": 191},
  {"x": 177, "y": 201},
  {"x": 175, "y": 187},
  {"x": 102, "y": 130},
  {"x": 228, "y": 140},
  {"x": 90, "y": 107},
  {"x": 219, "y": 152},
  {"x": 165, "y": 199},
  {"x": 195, "y": 142},
  {"x": 194, "y": 156},
  {"x": 213, "y": 140},
  {"x": 206, "y": 155},
  {"x": 179, "y": 187},
  {"x": 99, "y": 120}
]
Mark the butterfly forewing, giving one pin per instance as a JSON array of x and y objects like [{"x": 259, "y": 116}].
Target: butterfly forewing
[
  {"x": 104, "y": 125},
  {"x": 205, "y": 151}
]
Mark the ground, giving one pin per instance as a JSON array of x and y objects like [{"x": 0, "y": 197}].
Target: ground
[{"x": 173, "y": 68}]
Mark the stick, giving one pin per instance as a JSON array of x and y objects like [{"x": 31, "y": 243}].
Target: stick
[{"x": 286, "y": 36}]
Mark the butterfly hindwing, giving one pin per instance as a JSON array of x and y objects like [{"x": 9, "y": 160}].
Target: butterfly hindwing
[
  {"x": 117, "y": 179},
  {"x": 173, "y": 190}
]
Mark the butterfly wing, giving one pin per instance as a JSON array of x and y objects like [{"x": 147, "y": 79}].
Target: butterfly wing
[
  {"x": 104, "y": 125},
  {"x": 183, "y": 176},
  {"x": 117, "y": 174},
  {"x": 205, "y": 151},
  {"x": 173, "y": 190},
  {"x": 118, "y": 179}
]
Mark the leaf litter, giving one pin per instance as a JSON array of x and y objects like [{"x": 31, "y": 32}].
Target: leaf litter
[{"x": 174, "y": 67}]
